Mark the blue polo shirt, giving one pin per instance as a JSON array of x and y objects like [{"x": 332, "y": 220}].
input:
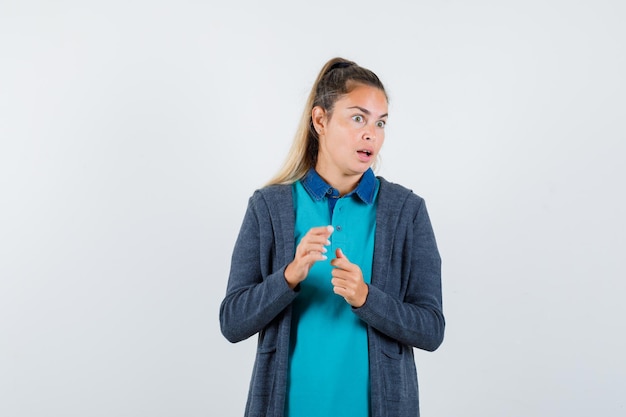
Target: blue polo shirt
[{"x": 328, "y": 358}]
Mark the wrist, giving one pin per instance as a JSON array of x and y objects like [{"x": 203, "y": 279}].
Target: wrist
[
  {"x": 364, "y": 297},
  {"x": 289, "y": 277}
]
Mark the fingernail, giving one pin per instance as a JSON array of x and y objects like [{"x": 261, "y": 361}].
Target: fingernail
[
  {"x": 327, "y": 242},
  {"x": 324, "y": 257},
  {"x": 324, "y": 250},
  {"x": 330, "y": 228}
]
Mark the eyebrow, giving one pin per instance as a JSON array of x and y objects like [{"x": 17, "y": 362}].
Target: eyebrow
[{"x": 368, "y": 112}]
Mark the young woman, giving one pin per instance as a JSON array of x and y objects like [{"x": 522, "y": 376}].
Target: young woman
[{"x": 337, "y": 270}]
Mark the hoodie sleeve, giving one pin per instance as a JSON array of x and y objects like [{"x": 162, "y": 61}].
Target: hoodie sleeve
[
  {"x": 256, "y": 293},
  {"x": 408, "y": 307}
]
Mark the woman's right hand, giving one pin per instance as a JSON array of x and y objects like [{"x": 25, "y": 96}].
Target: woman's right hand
[{"x": 310, "y": 250}]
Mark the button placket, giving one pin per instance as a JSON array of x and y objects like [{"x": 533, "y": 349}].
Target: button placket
[{"x": 338, "y": 224}]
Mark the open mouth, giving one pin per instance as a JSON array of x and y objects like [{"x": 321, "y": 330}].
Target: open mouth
[{"x": 365, "y": 152}]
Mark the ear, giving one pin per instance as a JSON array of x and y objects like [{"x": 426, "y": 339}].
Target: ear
[{"x": 318, "y": 116}]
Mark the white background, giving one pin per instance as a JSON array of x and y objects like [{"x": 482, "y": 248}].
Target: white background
[{"x": 133, "y": 132}]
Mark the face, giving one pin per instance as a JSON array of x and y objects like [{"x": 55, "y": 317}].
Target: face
[{"x": 351, "y": 137}]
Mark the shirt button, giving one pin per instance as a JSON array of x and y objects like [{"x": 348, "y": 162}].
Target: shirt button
[{"x": 338, "y": 228}]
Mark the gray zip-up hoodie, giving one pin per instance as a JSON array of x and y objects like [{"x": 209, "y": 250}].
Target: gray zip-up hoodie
[{"x": 403, "y": 307}]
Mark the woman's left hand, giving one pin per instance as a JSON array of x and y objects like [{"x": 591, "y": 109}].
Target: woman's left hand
[{"x": 348, "y": 280}]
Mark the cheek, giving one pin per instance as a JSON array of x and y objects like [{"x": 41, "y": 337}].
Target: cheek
[{"x": 381, "y": 140}]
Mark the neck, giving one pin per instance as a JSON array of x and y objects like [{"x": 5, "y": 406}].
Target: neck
[{"x": 343, "y": 183}]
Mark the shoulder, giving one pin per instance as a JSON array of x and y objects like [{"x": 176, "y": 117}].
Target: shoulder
[
  {"x": 396, "y": 194},
  {"x": 272, "y": 196},
  {"x": 273, "y": 191}
]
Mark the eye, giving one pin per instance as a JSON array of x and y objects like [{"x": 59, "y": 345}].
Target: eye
[
  {"x": 358, "y": 118},
  {"x": 381, "y": 124}
]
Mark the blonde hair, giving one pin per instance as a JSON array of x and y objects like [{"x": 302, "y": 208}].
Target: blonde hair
[{"x": 337, "y": 78}]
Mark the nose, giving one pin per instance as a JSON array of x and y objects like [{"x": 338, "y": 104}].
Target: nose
[{"x": 368, "y": 133}]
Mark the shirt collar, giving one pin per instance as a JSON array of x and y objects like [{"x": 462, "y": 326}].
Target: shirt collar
[{"x": 318, "y": 188}]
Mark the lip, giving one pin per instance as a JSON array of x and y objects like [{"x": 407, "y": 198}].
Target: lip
[{"x": 365, "y": 154}]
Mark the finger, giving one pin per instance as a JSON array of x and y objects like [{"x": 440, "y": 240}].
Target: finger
[
  {"x": 339, "y": 291},
  {"x": 321, "y": 231},
  {"x": 344, "y": 278},
  {"x": 314, "y": 256},
  {"x": 307, "y": 248},
  {"x": 341, "y": 283},
  {"x": 341, "y": 261},
  {"x": 339, "y": 286},
  {"x": 313, "y": 242},
  {"x": 347, "y": 293},
  {"x": 315, "y": 238},
  {"x": 311, "y": 255}
]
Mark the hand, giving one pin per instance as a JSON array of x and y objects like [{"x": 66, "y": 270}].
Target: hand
[
  {"x": 310, "y": 250},
  {"x": 348, "y": 280}
]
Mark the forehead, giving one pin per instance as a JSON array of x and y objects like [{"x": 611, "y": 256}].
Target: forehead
[{"x": 365, "y": 96}]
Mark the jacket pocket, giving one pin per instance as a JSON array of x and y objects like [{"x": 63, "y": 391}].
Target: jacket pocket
[
  {"x": 262, "y": 389},
  {"x": 264, "y": 370},
  {"x": 392, "y": 349},
  {"x": 399, "y": 374}
]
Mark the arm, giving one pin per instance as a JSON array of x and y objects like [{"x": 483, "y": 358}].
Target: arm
[
  {"x": 255, "y": 294},
  {"x": 416, "y": 319}
]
